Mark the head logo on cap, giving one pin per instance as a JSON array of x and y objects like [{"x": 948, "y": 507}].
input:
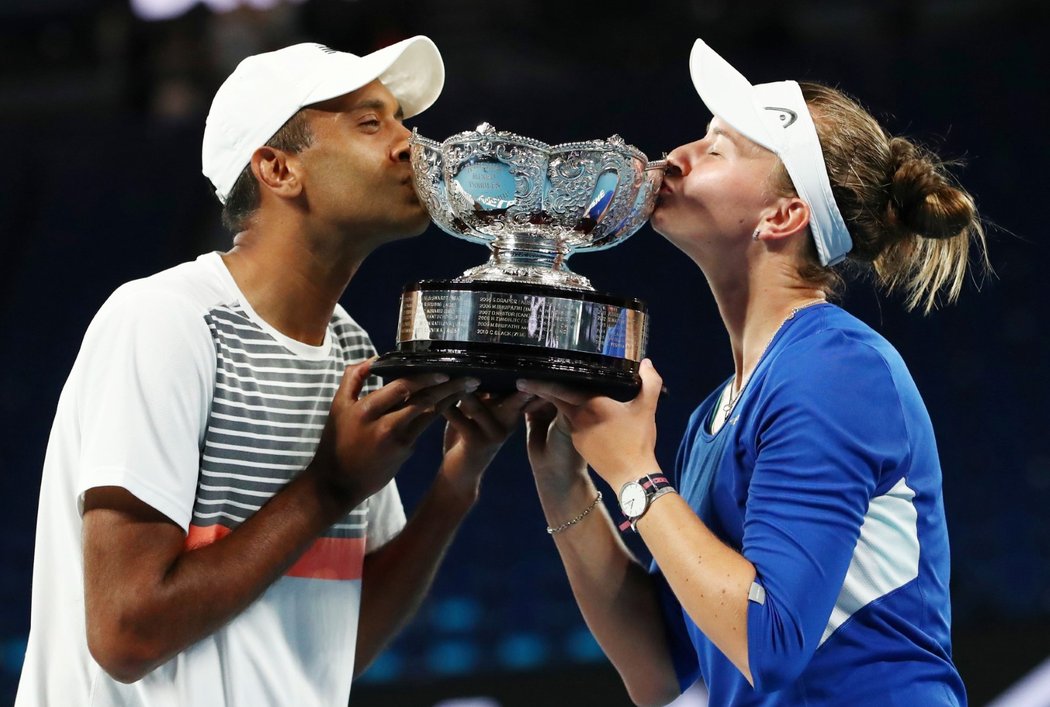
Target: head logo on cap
[{"x": 786, "y": 116}]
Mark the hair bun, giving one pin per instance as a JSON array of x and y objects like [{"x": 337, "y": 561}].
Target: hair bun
[{"x": 923, "y": 201}]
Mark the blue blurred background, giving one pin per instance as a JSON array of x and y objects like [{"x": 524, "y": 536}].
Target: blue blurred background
[{"x": 101, "y": 115}]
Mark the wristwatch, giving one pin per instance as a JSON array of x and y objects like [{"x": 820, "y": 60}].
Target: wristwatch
[{"x": 637, "y": 496}]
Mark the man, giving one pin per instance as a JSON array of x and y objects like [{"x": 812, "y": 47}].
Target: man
[{"x": 218, "y": 523}]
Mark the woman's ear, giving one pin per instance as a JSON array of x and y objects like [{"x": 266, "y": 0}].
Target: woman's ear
[
  {"x": 276, "y": 171},
  {"x": 788, "y": 216}
]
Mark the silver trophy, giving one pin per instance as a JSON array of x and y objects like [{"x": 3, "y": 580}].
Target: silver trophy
[{"x": 524, "y": 313}]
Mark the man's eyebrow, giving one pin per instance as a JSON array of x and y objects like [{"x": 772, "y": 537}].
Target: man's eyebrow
[{"x": 376, "y": 104}]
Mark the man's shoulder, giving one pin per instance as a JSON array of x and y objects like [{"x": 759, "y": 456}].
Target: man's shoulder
[
  {"x": 193, "y": 287},
  {"x": 203, "y": 280}
]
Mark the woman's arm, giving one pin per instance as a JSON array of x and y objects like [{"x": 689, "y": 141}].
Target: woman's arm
[
  {"x": 618, "y": 440},
  {"x": 617, "y": 597}
]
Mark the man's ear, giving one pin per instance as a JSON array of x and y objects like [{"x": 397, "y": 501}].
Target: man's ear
[
  {"x": 277, "y": 171},
  {"x": 788, "y": 216}
]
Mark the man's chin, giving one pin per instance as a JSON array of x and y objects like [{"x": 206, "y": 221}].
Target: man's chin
[
  {"x": 420, "y": 227},
  {"x": 411, "y": 228}
]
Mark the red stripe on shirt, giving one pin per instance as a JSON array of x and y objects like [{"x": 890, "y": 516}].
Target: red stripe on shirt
[{"x": 326, "y": 558}]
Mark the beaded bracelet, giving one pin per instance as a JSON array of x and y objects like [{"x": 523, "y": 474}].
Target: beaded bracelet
[{"x": 577, "y": 519}]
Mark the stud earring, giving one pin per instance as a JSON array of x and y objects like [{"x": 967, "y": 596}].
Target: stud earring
[{"x": 756, "y": 234}]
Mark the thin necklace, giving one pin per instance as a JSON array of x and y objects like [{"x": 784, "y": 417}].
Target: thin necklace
[{"x": 734, "y": 399}]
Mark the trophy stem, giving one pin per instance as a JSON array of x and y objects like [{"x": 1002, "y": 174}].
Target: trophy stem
[{"x": 513, "y": 260}]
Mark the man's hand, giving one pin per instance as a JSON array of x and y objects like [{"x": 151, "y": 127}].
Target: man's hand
[
  {"x": 366, "y": 440},
  {"x": 477, "y": 428}
]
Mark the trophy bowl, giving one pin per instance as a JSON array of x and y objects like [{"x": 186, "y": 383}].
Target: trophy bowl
[{"x": 524, "y": 313}]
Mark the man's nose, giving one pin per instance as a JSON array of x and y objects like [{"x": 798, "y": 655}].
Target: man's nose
[{"x": 401, "y": 151}]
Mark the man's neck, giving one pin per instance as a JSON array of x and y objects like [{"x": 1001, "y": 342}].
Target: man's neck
[{"x": 294, "y": 288}]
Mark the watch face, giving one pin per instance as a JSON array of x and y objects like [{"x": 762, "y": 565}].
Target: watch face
[{"x": 632, "y": 499}]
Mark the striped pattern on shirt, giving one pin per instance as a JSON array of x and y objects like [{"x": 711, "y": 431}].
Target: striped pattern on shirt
[{"x": 268, "y": 410}]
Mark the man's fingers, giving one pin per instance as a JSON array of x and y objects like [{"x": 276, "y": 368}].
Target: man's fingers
[
  {"x": 406, "y": 391},
  {"x": 479, "y": 415},
  {"x": 493, "y": 417},
  {"x": 539, "y": 407},
  {"x": 537, "y": 426},
  {"x": 355, "y": 376},
  {"x": 510, "y": 408},
  {"x": 458, "y": 420},
  {"x": 414, "y": 418}
]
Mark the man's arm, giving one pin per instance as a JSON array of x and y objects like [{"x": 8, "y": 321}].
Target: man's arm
[
  {"x": 398, "y": 575},
  {"x": 147, "y": 598}
]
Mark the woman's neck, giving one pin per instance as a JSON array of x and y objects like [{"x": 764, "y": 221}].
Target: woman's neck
[{"x": 755, "y": 310}]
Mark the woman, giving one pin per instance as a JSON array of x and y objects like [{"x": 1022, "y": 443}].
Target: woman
[{"x": 800, "y": 553}]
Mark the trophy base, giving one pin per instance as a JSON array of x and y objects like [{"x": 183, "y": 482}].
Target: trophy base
[
  {"x": 499, "y": 371},
  {"x": 499, "y": 332}
]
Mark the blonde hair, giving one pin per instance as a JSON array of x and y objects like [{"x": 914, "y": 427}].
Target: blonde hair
[{"x": 911, "y": 222}]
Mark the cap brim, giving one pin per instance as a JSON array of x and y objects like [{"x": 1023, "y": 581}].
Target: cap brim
[
  {"x": 411, "y": 69},
  {"x": 416, "y": 74},
  {"x": 727, "y": 94}
]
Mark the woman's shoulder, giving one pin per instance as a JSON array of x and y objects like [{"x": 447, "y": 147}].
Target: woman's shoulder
[
  {"x": 829, "y": 335},
  {"x": 830, "y": 352}
]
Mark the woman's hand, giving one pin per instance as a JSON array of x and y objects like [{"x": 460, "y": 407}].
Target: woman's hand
[
  {"x": 555, "y": 462},
  {"x": 617, "y": 439}
]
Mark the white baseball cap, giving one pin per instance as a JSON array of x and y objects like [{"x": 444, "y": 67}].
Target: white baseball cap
[
  {"x": 265, "y": 90},
  {"x": 775, "y": 116}
]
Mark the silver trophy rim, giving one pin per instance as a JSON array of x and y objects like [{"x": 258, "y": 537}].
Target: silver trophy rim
[
  {"x": 511, "y": 264},
  {"x": 486, "y": 131}
]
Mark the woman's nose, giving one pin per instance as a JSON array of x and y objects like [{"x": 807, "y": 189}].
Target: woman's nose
[
  {"x": 680, "y": 159},
  {"x": 677, "y": 164}
]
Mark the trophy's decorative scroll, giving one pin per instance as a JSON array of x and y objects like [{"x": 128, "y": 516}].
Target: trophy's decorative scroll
[{"x": 524, "y": 314}]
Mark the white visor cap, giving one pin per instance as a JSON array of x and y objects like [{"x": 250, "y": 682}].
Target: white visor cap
[
  {"x": 265, "y": 90},
  {"x": 775, "y": 116}
]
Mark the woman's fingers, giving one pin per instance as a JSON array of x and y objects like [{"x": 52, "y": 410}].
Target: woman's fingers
[
  {"x": 652, "y": 383},
  {"x": 554, "y": 392}
]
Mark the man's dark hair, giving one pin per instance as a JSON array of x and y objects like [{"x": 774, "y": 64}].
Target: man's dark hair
[{"x": 293, "y": 137}]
